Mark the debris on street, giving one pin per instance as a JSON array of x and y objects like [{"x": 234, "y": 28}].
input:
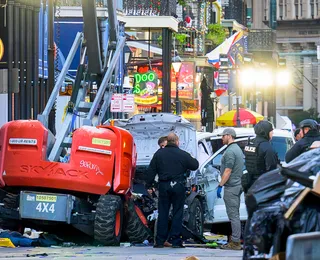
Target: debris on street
[{"x": 6, "y": 242}]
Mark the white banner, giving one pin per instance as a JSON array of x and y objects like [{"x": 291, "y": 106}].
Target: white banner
[
  {"x": 128, "y": 103},
  {"x": 116, "y": 103}
]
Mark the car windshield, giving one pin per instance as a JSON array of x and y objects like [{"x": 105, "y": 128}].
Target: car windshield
[{"x": 281, "y": 145}]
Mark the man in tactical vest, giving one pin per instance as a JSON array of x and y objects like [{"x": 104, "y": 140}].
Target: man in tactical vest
[
  {"x": 310, "y": 134},
  {"x": 259, "y": 156}
]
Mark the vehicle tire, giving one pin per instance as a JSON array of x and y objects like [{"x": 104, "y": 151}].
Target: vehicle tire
[
  {"x": 196, "y": 218},
  {"x": 108, "y": 220},
  {"x": 137, "y": 229},
  {"x": 10, "y": 201}
]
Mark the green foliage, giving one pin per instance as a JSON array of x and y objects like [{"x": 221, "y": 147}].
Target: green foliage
[
  {"x": 160, "y": 40},
  {"x": 180, "y": 38},
  {"x": 216, "y": 33},
  {"x": 182, "y": 2},
  {"x": 297, "y": 116}
]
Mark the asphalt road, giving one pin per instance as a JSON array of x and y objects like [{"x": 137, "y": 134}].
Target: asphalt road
[{"x": 117, "y": 253}]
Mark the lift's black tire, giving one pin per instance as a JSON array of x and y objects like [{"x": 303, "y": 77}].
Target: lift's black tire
[
  {"x": 137, "y": 229},
  {"x": 196, "y": 218},
  {"x": 10, "y": 201},
  {"x": 108, "y": 220},
  {"x": 11, "y": 224}
]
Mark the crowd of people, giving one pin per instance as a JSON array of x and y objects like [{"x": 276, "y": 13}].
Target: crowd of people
[{"x": 171, "y": 164}]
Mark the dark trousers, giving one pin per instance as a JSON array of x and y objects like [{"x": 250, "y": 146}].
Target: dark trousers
[{"x": 175, "y": 195}]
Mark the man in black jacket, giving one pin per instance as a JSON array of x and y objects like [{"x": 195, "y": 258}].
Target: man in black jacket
[
  {"x": 259, "y": 157},
  {"x": 310, "y": 133},
  {"x": 171, "y": 165}
]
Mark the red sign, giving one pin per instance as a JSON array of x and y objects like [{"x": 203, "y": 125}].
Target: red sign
[{"x": 185, "y": 81}]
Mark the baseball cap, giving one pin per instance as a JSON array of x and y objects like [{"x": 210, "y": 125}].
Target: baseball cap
[{"x": 228, "y": 131}]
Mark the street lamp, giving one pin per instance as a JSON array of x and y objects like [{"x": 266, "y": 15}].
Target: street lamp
[
  {"x": 283, "y": 78},
  {"x": 247, "y": 77},
  {"x": 176, "y": 64}
]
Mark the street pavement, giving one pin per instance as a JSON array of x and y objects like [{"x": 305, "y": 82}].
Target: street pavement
[{"x": 118, "y": 253}]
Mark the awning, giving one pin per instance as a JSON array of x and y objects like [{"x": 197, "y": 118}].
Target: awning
[{"x": 144, "y": 46}]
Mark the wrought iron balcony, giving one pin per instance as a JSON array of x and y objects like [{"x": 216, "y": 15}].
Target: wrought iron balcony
[
  {"x": 189, "y": 42},
  {"x": 99, "y": 3},
  {"x": 261, "y": 40},
  {"x": 150, "y": 7}
]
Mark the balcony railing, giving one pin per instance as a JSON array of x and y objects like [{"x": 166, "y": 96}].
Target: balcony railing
[
  {"x": 261, "y": 40},
  {"x": 191, "y": 45},
  {"x": 99, "y": 3},
  {"x": 149, "y": 7}
]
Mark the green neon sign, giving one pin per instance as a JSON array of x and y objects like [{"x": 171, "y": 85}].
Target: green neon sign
[{"x": 145, "y": 83}]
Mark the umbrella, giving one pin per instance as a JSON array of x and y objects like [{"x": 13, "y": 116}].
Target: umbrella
[{"x": 246, "y": 117}]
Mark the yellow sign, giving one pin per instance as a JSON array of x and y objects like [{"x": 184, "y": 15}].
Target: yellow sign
[
  {"x": 146, "y": 100},
  {"x": 1, "y": 49},
  {"x": 100, "y": 141},
  {"x": 46, "y": 198}
]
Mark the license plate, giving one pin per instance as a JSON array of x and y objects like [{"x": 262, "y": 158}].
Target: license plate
[{"x": 53, "y": 207}]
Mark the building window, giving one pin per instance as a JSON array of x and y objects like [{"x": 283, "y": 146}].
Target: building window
[
  {"x": 301, "y": 13},
  {"x": 266, "y": 9},
  {"x": 317, "y": 8},
  {"x": 296, "y": 8},
  {"x": 285, "y": 8},
  {"x": 281, "y": 15},
  {"x": 312, "y": 8}
]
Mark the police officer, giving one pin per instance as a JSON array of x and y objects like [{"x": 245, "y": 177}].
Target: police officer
[
  {"x": 259, "y": 157},
  {"x": 171, "y": 165},
  {"x": 310, "y": 133}
]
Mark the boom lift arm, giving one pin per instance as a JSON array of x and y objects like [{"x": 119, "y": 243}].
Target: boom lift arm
[{"x": 104, "y": 75}]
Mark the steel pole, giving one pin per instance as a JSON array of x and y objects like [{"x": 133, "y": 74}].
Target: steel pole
[
  {"x": 16, "y": 56},
  {"x": 254, "y": 98},
  {"x": 237, "y": 100},
  {"x": 166, "y": 69},
  {"x": 51, "y": 65},
  {"x": 36, "y": 58},
  {"x": 178, "y": 104},
  {"x": 10, "y": 56},
  {"x": 62, "y": 74},
  {"x": 29, "y": 60},
  {"x": 22, "y": 21}
]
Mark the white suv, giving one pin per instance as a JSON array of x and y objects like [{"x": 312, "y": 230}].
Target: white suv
[
  {"x": 208, "y": 176},
  {"x": 206, "y": 147}
]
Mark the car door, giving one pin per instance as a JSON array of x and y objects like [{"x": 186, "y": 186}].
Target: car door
[{"x": 213, "y": 164}]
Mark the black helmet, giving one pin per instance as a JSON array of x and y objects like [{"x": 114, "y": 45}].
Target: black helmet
[
  {"x": 263, "y": 128},
  {"x": 313, "y": 124}
]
